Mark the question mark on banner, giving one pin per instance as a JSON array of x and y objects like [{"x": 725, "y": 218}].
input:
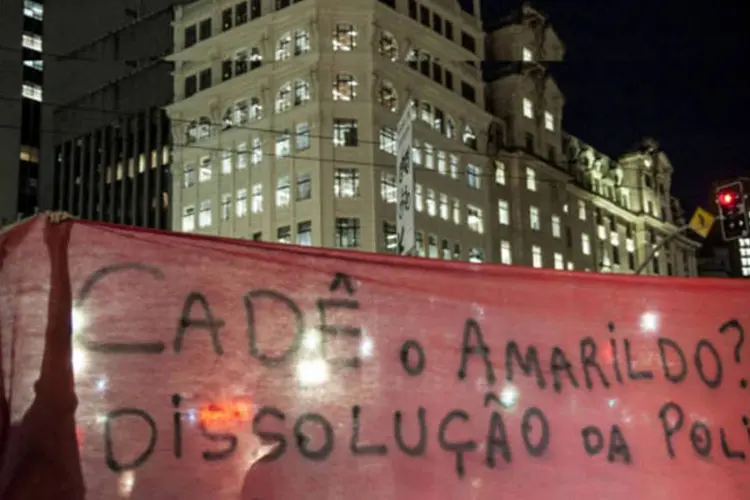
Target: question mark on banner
[{"x": 734, "y": 324}]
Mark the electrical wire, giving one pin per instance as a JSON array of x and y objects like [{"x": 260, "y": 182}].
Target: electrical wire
[
  {"x": 264, "y": 130},
  {"x": 461, "y": 172}
]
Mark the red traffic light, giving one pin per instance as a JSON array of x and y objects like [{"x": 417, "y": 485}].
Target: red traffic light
[{"x": 728, "y": 198}]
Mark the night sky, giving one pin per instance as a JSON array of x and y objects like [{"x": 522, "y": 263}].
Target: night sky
[{"x": 676, "y": 71}]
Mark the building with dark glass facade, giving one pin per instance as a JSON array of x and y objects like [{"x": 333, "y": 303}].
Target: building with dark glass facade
[{"x": 21, "y": 97}]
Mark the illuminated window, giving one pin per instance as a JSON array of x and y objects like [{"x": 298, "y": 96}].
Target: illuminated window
[
  {"x": 581, "y": 209},
  {"x": 474, "y": 176},
  {"x": 503, "y": 212},
  {"x": 226, "y": 163},
  {"x": 256, "y": 202},
  {"x": 32, "y": 91},
  {"x": 387, "y": 96},
  {"x": 555, "y": 226},
  {"x": 559, "y": 263},
  {"x": 536, "y": 256},
  {"x": 226, "y": 206},
  {"x": 388, "y": 189},
  {"x": 549, "y": 121},
  {"x": 528, "y": 56},
  {"x": 302, "y": 137},
  {"x": 346, "y": 183},
  {"x": 344, "y": 38},
  {"x": 188, "y": 218},
  {"x": 284, "y": 98},
  {"x": 301, "y": 42},
  {"x": 387, "y": 140},
  {"x": 283, "y": 145},
  {"x": 32, "y": 42},
  {"x": 474, "y": 219},
  {"x": 500, "y": 176},
  {"x": 585, "y": 244},
  {"x": 241, "y": 203},
  {"x": 242, "y": 156},
  {"x": 470, "y": 138},
  {"x": 36, "y": 64},
  {"x": 388, "y": 46},
  {"x": 444, "y": 208},
  {"x": 505, "y": 255},
  {"x": 301, "y": 92},
  {"x": 204, "y": 174},
  {"x": 344, "y": 87},
  {"x": 256, "y": 154},
  {"x": 528, "y": 108},
  {"x": 204, "y": 216},
  {"x": 34, "y": 10},
  {"x": 530, "y": 179},
  {"x": 284, "y": 47},
  {"x": 29, "y": 154},
  {"x": 283, "y": 191},
  {"x": 534, "y": 219},
  {"x": 431, "y": 203}
]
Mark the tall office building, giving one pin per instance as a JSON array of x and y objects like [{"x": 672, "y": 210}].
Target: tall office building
[
  {"x": 108, "y": 150},
  {"x": 284, "y": 123},
  {"x": 21, "y": 70}
]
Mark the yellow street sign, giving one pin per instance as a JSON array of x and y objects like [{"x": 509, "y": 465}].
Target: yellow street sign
[{"x": 701, "y": 222}]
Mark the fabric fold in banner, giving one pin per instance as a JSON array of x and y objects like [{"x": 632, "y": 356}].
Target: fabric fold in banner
[
  {"x": 41, "y": 458},
  {"x": 143, "y": 365}
]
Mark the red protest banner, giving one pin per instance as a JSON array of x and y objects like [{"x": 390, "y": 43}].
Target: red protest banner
[{"x": 208, "y": 368}]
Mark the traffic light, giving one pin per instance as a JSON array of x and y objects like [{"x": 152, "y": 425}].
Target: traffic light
[{"x": 733, "y": 216}]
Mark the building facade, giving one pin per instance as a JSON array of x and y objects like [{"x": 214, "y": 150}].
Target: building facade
[
  {"x": 21, "y": 79},
  {"x": 284, "y": 126},
  {"x": 109, "y": 140}
]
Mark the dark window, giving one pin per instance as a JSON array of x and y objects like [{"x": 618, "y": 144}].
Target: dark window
[
  {"x": 191, "y": 86},
  {"x": 424, "y": 15},
  {"x": 437, "y": 72},
  {"x": 204, "y": 79},
  {"x": 345, "y": 132},
  {"x": 226, "y": 70},
  {"x": 529, "y": 142},
  {"x": 257, "y": 236},
  {"x": 449, "y": 30},
  {"x": 240, "y": 13},
  {"x": 413, "y": 9},
  {"x": 226, "y": 19},
  {"x": 284, "y": 234},
  {"x": 240, "y": 63},
  {"x": 282, "y": 4},
  {"x": 568, "y": 237},
  {"x": 551, "y": 154},
  {"x": 204, "y": 29},
  {"x": 449, "y": 79},
  {"x": 255, "y": 9},
  {"x": 424, "y": 65},
  {"x": 437, "y": 23},
  {"x": 347, "y": 232},
  {"x": 629, "y": 231},
  {"x": 655, "y": 266},
  {"x": 191, "y": 36},
  {"x": 631, "y": 260},
  {"x": 468, "y": 92},
  {"x": 304, "y": 187},
  {"x": 468, "y": 42},
  {"x": 615, "y": 255},
  {"x": 389, "y": 3}
]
